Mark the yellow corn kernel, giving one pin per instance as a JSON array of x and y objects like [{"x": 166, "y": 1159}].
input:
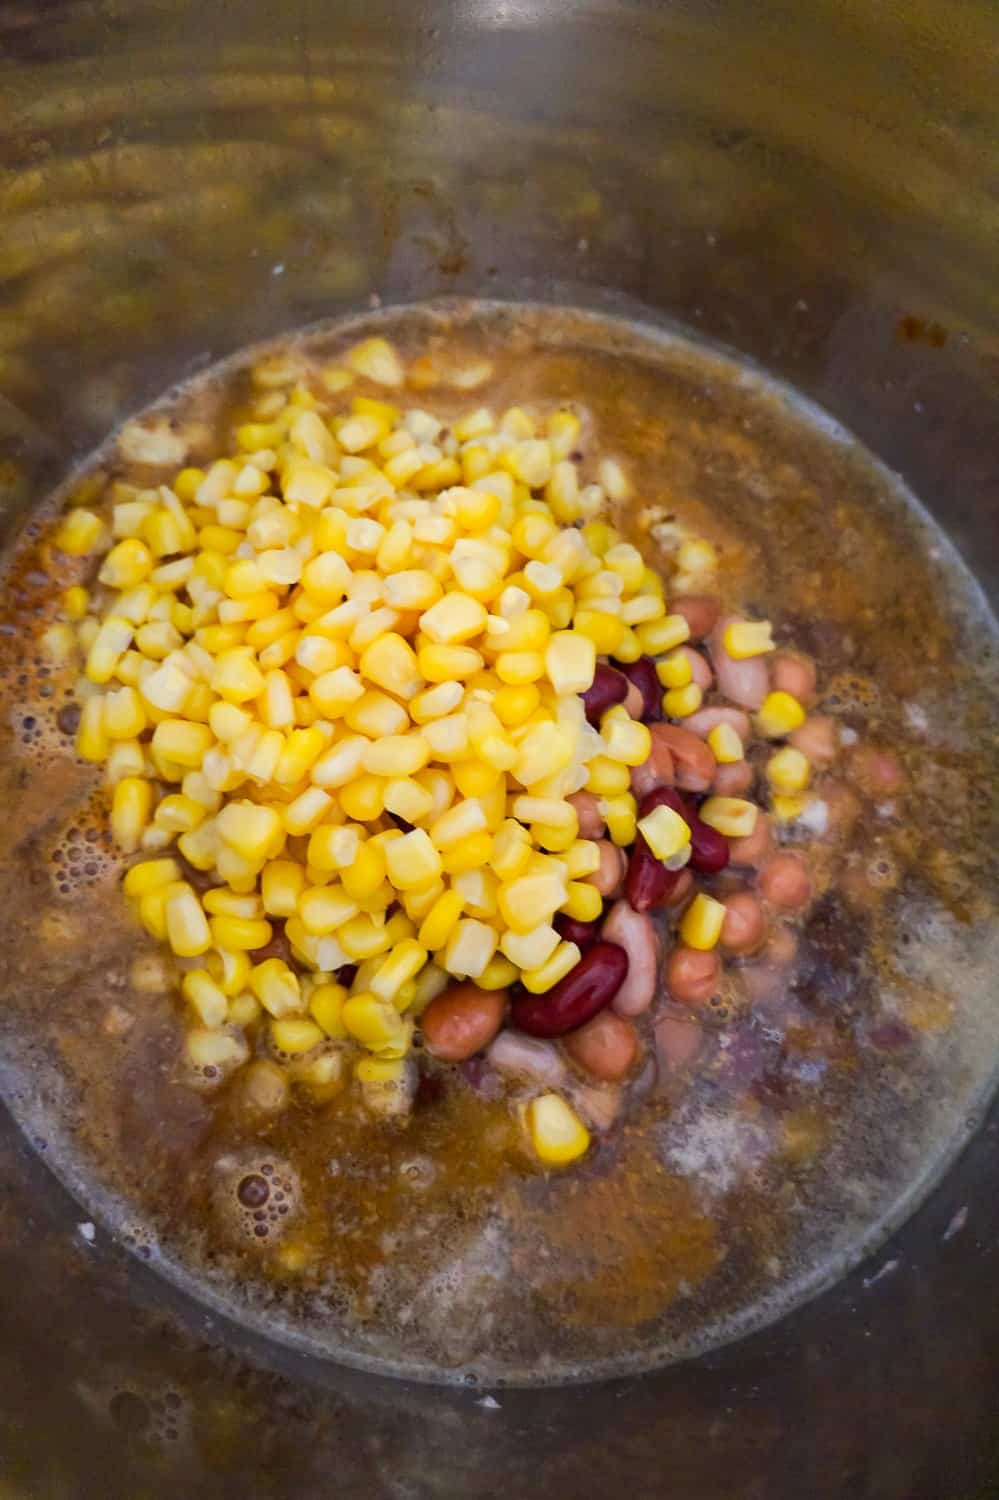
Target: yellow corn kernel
[
  {"x": 340, "y": 764},
  {"x": 511, "y": 851},
  {"x": 582, "y": 858},
  {"x": 231, "y": 971},
  {"x": 281, "y": 883},
  {"x": 324, "y": 908},
  {"x": 551, "y": 810},
  {"x": 514, "y": 704},
  {"x": 434, "y": 702},
  {"x": 199, "y": 988},
  {"x": 236, "y": 677},
  {"x": 111, "y": 642},
  {"x": 469, "y": 948},
  {"x": 545, "y": 750},
  {"x": 674, "y": 671},
  {"x": 678, "y": 703},
  {"x": 788, "y": 770},
  {"x": 562, "y": 962},
  {"x": 277, "y": 988},
  {"x": 787, "y": 806},
  {"x": 779, "y": 714},
  {"x": 515, "y": 668},
  {"x": 150, "y": 875},
  {"x": 625, "y": 740},
  {"x": 583, "y": 902},
  {"x": 335, "y": 691},
  {"x": 498, "y": 974},
  {"x": 701, "y": 923},
  {"x": 168, "y": 688},
  {"x": 470, "y": 854},
  {"x": 731, "y": 816},
  {"x": 459, "y": 822},
  {"x": 620, "y": 814},
  {"x": 556, "y": 1132},
  {"x": 187, "y": 928},
  {"x": 529, "y": 899},
  {"x": 607, "y": 778},
  {"x": 745, "y": 638},
  {"x": 440, "y": 920},
  {"x": 125, "y": 758},
  {"x": 412, "y": 860},
  {"x": 81, "y": 533},
  {"x": 130, "y": 809},
  {"x": 606, "y": 631},
  {"x": 530, "y": 950},
  {"x": 446, "y": 663},
  {"x": 666, "y": 833},
  {"x": 124, "y": 715},
  {"x": 364, "y": 798},
  {"x": 181, "y": 742},
  {"x": 92, "y": 742},
  {"x": 326, "y": 1003},
  {"x": 726, "y": 744},
  {"x": 242, "y": 933},
  {"x": 377, "y": 360},
  {"x": 454, "y": 619},
  {"x": 391, "y": 663},
  {"x": 363, "y": 876},
  {"x": 396, "y": 755},
  {"x": 179, "y": 814},
  {"x": 570, "y": 661},
  {"x": 126, "y": 565},
  {"x": 295, "y": 1035},
  {"x": 408, "y": 800},
  {"x": 696, "y": 555},
  {"x": 75, "y": 601},
  {"x": 395, "y": 972},
  {"x": 477, "y": 779},
  {"x": 250, "y": 829},
  {"x": 375, "y": 714},
  {"x": 447, "y": 737}
]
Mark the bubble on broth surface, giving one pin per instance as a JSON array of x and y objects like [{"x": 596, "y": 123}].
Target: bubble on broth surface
[{"x": 256, "y": 1196}]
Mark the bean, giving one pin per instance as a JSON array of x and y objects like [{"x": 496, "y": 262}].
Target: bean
[
  {"x": 795, "y": 675},
  {"x": 700, "y": 612},
  {"x": 461, "y": 1021},
  {"x": 634, "y": 701},
  {"x": 265, "y": 1087},
  {"x": 753, "y": 850},
  {"x": 782, "y": 947},
  {"x": 599, "y": 1107},
  {"x": 578, "y": 997},
  {"x": 818, "y": 739},
  {"x": 608, "y": 875},
  {"x": 692, "y": 976},
  {"x": 842, "y": 809},
  {"x": 666, "y": 796},
  {"x": 733, "y": 779},
  {"x": 643, "y": 674},
  {"x": 605, "y": 1047},
  {"x": 693, "y": 762},
  {"x": 785, "y": 882},
  {"x": 591, "y": 819},
  {"x": 744, "y": 927},
  {"x": 657, "y": 770},
  {"x": 876, "y": 771},
  {"x": 583, "y": 934},
  {"x": 707, "y": 719},
  {"x": 744, "y": 682},
  {"x": 634, "y": 932},
  {"x": 609, "y": 686},
  {"x": 648, "y": 882},
  {"x": 526, "y": 1057},
  {"x": 700, "y": 669},
  {"x": 682, "y": 889},
  {"x": 678, "y": 1040}
]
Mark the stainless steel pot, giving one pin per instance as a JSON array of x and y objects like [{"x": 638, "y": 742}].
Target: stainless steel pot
[{"x": 813, "y": 185}]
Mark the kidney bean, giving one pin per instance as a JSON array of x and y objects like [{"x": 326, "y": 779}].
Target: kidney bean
[
  {"x": 521, "y": 1056},
  {"x": 647, "y": 882},
  {"x": 583, "y": 934},
  {"x": 700, "y": 669},
  {"x": 745, "y": 682},
  {"x": 693, "y": 762},
  {"x": 666, "y": 796},
  {"x": 634, "y": 701},
  {"x": 633, "y": 931},
  {"x": 755, "y": 848},
  {"x": 795, "y": 675},
  {"x": 733, "y": 779},
  {"x": 692, "y": 976},
  {"x": 678, "y": 1040},
  {"x": 591, "y": 819},
  {"x": 708, "y": 848},
  {"x": 700, "y": 612},
  {"x": 578, "y": 997},
  {"x": 681, "y": 890},
  {"x": 609, "y": 686},
  {"x": 818, "y": 739},
  {"x": 461, "y": 1021},
  {"x": 609, "y": 874},
  {"x": 876, "y": 771},
  {"x": 657, "y": 770},
  {"x": 744, "y": 928},
  {"x": 605, "y": 1047},
  {"x": 707, "y": 719},
  {"x": 785, "y": 882},
  {"x": 643, "y": 674}
]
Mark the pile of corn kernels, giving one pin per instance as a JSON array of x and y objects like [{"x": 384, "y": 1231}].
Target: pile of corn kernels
[{"x": 339, "y": 673}]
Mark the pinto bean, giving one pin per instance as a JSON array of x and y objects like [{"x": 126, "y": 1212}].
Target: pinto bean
[
  {"x": 875, "y": 771},
  {"x": 700, "y": 612},
  {"x": 755, "y": 848},
  {"x": 633, "y": 931},
  {"x": 692, "y": 976},
  {"x": 634, "y": 701},
  {"x": 842, "y": 809},
  {"x": 707, "y": 719},
  {"x": 578, "y": 997},
  {"x": 700, "y": 668},
  {"x": 605, "y": 1047},
  {"x": 519, "y": 1056},
  {"x": 817, "y": 739},
  {"x": 682, "y": 888},
  {"x": 461, "y": 1021},
  {"x": 733, "y": 779},
  {"x": 642, "y": 673},
  {"x": 785, "y": 882},
  {"x": 744, "y": 927},
  {"x": 609, "y": 686},
  {"x": 657, "y": 770},
  {"x": 693, "y": 762},
  {"x": 794, "y": 674},
  {"x": 598, "y": 1106},
  {"x": 744, "y": 682},
  {"x": 609, "y": 874},
  {"x": 591, "y": 819},
  {"x": 678, "y": 1040}
]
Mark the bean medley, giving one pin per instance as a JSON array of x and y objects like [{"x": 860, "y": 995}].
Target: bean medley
[{"x": 415, "y": 755}]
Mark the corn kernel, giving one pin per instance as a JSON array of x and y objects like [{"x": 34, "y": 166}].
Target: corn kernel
[
  {"x": 326, "y": 1002},
  {"x": 243, "y": 933},
  {"x": 277, "y": 988},
  {"x": 726, "y": 744},
  {"x": 253, "y": 831},
  {"x": 527, "y": 900},
  {"x": 532, "y": 949},
  {"x": 607, "y": 778},
  {"x": 731, "y": 816},
  {"x": 583, "y": 901},
  {"x": 469, "y": 948},
  {"x": 562, "y": 962},
  {"x": 556, "y": 1132},
  {"x": 187, "y": 927},
  {"x": 680, "y": 702},
  {"x": 701, "y": 923},
  {"x": 625, "y": 740},
  {"x": 779, "y": 715},
  {"x": 674, "y": 671},
  {"x": 746, "y": 638},
  {"x": 606, "y": 631},
  {"x": 182, "y": 742},
  {"x": 412, "y": 860},
  {"x": 788, "y": 770},
  {"x": 81, "y": 533},
  {"x": 447, "y": 663},
  {"x": 396, "y": 755},
  {"x": 130, "y": 809}
]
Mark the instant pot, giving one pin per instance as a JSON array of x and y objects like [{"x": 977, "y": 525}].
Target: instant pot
[{"x": 812, "y": 185}]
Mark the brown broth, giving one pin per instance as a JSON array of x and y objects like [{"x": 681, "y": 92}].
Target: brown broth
[{"x": 807, "y": 1124}]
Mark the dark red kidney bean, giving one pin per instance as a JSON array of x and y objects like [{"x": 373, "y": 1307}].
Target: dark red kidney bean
[
  {"x": 578, "y": 997},
  {"x": 700, "y": 612},
  {"x": 609, "y": 686},
  {"x": 583, "y": 934},
  {"x": 643, "y": 674},
  {"x": 709, "y": 850},
  {"x": 648, "y": 883}
]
